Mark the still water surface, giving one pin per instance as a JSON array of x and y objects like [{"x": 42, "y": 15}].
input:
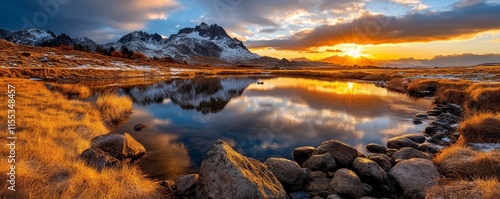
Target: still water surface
[{"x": 186, "y": 116}]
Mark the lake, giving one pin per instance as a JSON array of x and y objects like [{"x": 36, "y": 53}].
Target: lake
[{"x": 260, "y": 117}]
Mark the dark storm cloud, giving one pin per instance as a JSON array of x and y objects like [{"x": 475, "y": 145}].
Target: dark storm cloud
[
  {"x": 98, "y": 19},
  {"x": 464, "y": 19}
]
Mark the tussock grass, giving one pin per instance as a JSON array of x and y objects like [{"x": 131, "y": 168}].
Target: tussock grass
[
  {"x": 485, "y": 98},
  {"x": 420, "y": 85},
  {"x": 113, "y": 108},
  {"x": 458, "y": 162},
  {"x": 453, "y": 96},
  {"x": 397, "y": 84},
  {"x": 51, "y": 132},
  {"x": 480, "y": 128},
  {"x": 478, "y": 188},
  {"x": 79, "y": 91}
]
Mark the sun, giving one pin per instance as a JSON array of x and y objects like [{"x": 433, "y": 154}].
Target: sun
[{"x": 354, "y": 51}]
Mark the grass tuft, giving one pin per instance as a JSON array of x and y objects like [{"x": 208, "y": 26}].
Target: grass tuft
[
  {"x": 480, "y": 128},
  {"x": 79, "y": 91},
  {"x": 478, "y": 188},
  {"x": 113, "y": 107},
  {"x": 459, "y": 162},
  {"x": 485, "y": 99}
]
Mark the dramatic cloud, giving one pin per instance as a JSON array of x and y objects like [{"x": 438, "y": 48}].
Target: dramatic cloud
[
  {"x": 239, "y": 15},
  {"x": 101, "y": 19},
  {"x": 464, "y": 20}
]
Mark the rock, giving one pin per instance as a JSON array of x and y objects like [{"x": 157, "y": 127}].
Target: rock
[
  {"x": 415, "y": 174},
  {"x": 98, "y": 159},
  {"x": 347, "y": 184},
  {"x": 417, "y": 121},
  {"x": 186, "y": 185},
  {"x": 452, "y": 119},
  {"x": 455, "y": 109},
  {"x": 408, "y": 153},
  {"x": 368, "y": 189},
  {"x": 390, "y": 152},
  {"x": 384, "y": 161},
  {"x": 400, "y": 142},
  {"x": 369, "y": 169},
  {"x": 361, "y": 155},
  {"x": 416, "y": 137},
  {"x": 299, "y": 195},
  {"x": 432, "y": 130},
  {"x": 168, "y": 187},
  {"x": 288, "y": 172},
  {"x": 343, "y": 154},
  {"x": 44, "y": 59},
  {"x": 429, "y": 148},
  {"x": 333, "y": 196},
  {"x": 301, "y": 154},
  {"x": 319, "y": 186},
  {"x": 323, "y": 162},
  {"x": 140, "y": 127},
  {"x": 122, "y": 147},
  {"x": 381, "y": 191},
  {"x": 441, "y": 123},
  {"x": 316, "y": 174},
  {"x": 226, "y": 174},
  {"x": 439, "y": 135},
  {"x": 420, "y": 116},
  {"x": 434, "y": 112},
  {"x": 376, "y": 148}
]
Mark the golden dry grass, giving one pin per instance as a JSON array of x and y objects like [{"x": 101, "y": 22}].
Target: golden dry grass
[
  {"x": 485, "y": 99},
  {"x": 113, "y": 107},
  {"x": 462, "y": 189},
  {"x": 459, "y": 162},
  {"x": 441, "y": 84},
  {"x": 51, "y": 132},
  {"x": 453, "y": 96},
  {"x": 77, "y": 90},
  {"x": 480, "y": 128}
]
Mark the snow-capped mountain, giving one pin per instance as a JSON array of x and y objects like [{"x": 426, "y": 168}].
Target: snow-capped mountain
[
  {"x": 33, "y": 37},
  {"x": 206, "y": 95},
  {"x": 4, "y": 33},
  {"x": 203, "y": 40}
]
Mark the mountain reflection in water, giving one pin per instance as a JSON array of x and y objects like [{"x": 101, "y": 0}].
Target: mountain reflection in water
[{"x": 261, "y": 120}]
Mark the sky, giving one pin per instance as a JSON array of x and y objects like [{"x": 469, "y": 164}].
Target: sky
[{"x": 315, "y": 29}]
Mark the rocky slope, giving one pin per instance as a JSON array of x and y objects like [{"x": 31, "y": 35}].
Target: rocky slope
[{"x": 203, "y": 40}]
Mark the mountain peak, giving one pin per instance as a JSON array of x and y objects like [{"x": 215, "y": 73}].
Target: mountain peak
[{"x": 140, "y": 36}]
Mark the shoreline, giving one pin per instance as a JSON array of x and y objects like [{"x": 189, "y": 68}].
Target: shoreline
[{"x": 167, "y": 184}]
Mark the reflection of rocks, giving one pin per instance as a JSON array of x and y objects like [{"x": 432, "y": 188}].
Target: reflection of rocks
[{"x": 206, "y": 95}]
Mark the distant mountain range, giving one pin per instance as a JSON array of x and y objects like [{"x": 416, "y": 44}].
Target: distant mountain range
[
  {"x": 202, "y": 40},
  {"x": 437, "y": 61}
]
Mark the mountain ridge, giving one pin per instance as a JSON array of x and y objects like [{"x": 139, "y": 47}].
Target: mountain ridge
[{"x": 202, "y": 40}]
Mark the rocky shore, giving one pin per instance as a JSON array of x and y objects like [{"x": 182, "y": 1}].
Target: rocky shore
[{"x": 403, "y": 168}]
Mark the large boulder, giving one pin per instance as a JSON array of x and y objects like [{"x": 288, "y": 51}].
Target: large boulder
[
  {"x": 384, "y": 161},
  {"x": 369, "y": 169},
  {"x": 301, "y": 154},
  {"x": 346, "y": 183},
  {"x": 415, "y": 175},
  {"x": 400, "y": 142},
  {"x": 376, "y": 148},
  {"x": 288, "y": 172},
  {"x": 98, "y": 159},
  {"x": 226, "y": 174},
  {"x": 409, "y": 153},
  {"x": 323, "y": 162},
  {"x": 122, "y": 147},
  {"x": 186, "y": 185},
  {"x": 429, "y": 148},
  {"x": 343, "y": 154}
]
